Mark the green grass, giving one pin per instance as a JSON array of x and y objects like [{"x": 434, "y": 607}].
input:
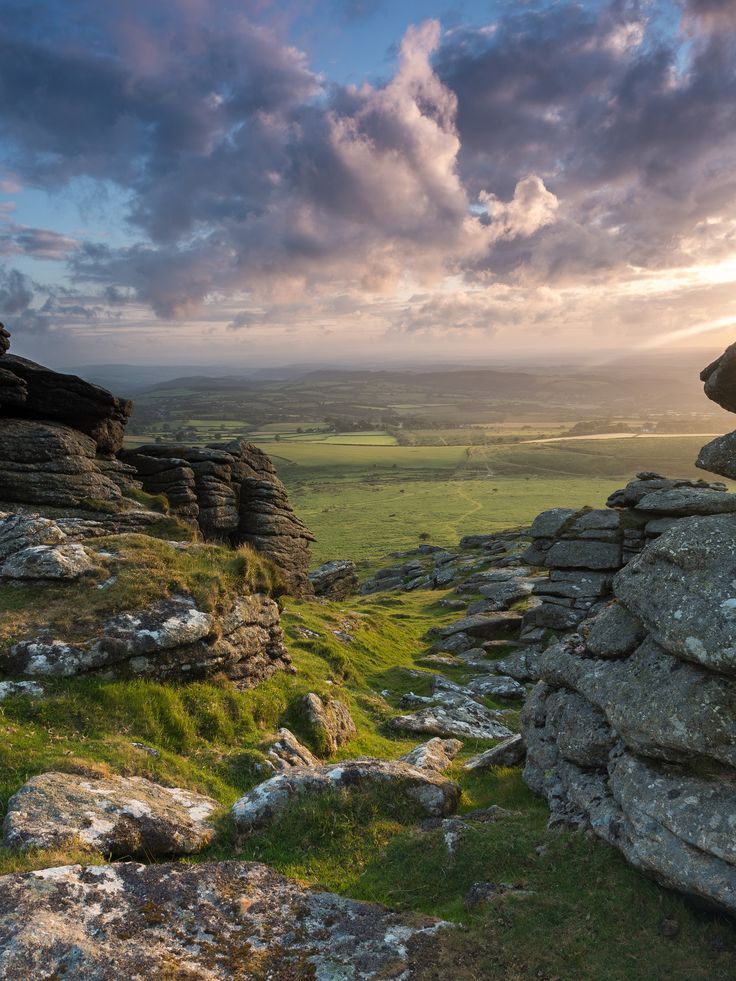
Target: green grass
[
  {"x": 137, "y": 570},
  {"x": 581, "y": 911}
]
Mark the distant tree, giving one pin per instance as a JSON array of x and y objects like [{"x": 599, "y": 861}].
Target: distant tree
[{"x": 424, "y": 536}]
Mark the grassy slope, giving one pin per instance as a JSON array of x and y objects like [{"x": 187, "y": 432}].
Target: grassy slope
[{"x": 585, "y": 913}]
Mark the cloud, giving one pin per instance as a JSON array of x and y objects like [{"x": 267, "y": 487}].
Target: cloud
[
  {"x": 560, "y": 148},
  {"x": 39, "y": 243}
]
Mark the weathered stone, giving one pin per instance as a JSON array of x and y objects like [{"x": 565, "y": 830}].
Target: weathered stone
[
  {"x": 117, "y": 816},
  {"x": 510, "y": 752},
  {"x": 65, "y": 562},
  {"x": 48, "y": 463},
  {"x": 210, "y": 921},
  {"x": 497, "y": 686},
  {"x": 335, "y": 580},
  {"x": 68, "y": 400},
  {"x": 521, "y": 666},
  {"x": 582, "y": 732},
  {"x": 550, "y": 523},
  {"x": 584, "y": 555},
  {"x": 614, "y": 632},
  {"x": 659, "y": 706},
  {"x": 330, "y": 721},
  {"x": 467, "y": 721},
  {"x": 4, "y": 339},
  {"x": 687, "y": 501},
  {"x": 648, "y": 483},
  {"x": 485, "y": 626},
  {"x": 9, "y": 689},
  {"x": 20, "y": 531},
  {"x": 720, "y": 379},
  {"x": 682, "y": 587},
  {"x": 436, "y": 754},
  {"x": 239, "y": 500},
  {"x": 433, "y": 794},
  {"x": 167, "y": 639},
  {"x": 285, "y": 752},
  {"x": 719, "y": 456}
]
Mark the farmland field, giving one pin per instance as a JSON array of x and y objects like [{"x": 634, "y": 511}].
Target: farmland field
[{"x": 366, "y": 501}]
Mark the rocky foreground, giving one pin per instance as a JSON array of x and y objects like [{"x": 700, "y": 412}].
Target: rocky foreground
[{"x": 613, "y": 630}]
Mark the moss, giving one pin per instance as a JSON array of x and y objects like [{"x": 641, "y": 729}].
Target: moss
[{"x": 154, "y": 502}]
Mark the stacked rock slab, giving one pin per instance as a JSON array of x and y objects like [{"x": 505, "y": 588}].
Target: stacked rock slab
[
  {"x": 584, "y": 549},
  {"x": 58, "y": 437},
  {"x": 631, "y": 731},
  {"x": 233, "y": 494}
]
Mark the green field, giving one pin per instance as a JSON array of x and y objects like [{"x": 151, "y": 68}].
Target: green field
[{"x": 365, "y": 501}]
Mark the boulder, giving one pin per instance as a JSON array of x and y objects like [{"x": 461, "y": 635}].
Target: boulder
[
  {"x": 434, "y": 795},
  {"x": 614, "y": 632},
  {"x": 720, "y": 379},
  {"x": 466, "y": 721},
  {"x": 285, "y": 752},
  {"x": 719, "y": 456},
  {"x": 584, "y": 555},
  {"x": 436, "y": 754},
  {"x": 21, "y": 531},
  {"x": 9, "y": 689},
  {"x": 168, "y": 639},
  {"x": 65, "y": 399},
  {"x": 687, "y": 501},
  {"x": 58, "y": 562},
  {"x": 118, "y": 816},
  {"x": 335, "y": 580},
  {"x": 330, "y": 721},
  {"x": 509, "y": 752},
  {"x": 498, "y": 686},
  {"x": 682, "y": 589},
  {"x": 4, "y": 339},
  {"x": 212, "y": 921},
  {"x": 484, "y": 625}
]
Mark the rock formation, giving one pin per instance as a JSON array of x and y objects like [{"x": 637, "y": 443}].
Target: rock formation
[
  {"x": 214, "y": 921},
  {"x": 61, "y": 444},
  {"x": 119, "y": 816},
  {"x": 335, "y": 580},
  {"x": 432, "y": 794},
  {"x": 170, "y": 639},
  {"x": 630, "y": 732}
]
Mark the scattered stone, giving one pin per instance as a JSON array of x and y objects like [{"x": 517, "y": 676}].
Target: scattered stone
[
  {"x": 437, "y": 754},
  {"x": 207, "y": 920},
  {"x": 10, "y": 689},
  {"x": 148, "y": 750},
  {"x": 467, "y": 721},
  {"x": 117, "y": 816},
  {"x": 510, "y": 752},
  {"x": 330, "y": 721},
  {"x": 285, "y": 752},
  {"x": 435, "y": 795},
  {"x": 65, "y": 562},
  {"x": 335, "y": 580},
  {"x": 498, "y": 686},
  {"x": 485, "y": 626}
]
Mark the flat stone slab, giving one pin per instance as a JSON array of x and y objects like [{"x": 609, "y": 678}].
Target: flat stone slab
[
  {"x": 210, "y": 921},
  {"x": 510, "y": 752},
  {"x": 119, "y": 816},
  {"x": 435, "y": 795},
  {"x": 467, "y": 721},
  {"x": 484, "y": 625}
]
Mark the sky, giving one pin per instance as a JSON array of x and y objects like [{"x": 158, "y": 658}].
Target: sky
[{"x": 253, "y": 182}]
